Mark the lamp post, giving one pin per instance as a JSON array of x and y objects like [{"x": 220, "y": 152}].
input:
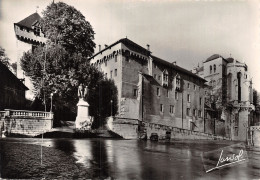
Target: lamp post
[
  {"x": 111, "y": 107},
  {"x": 51, "y": 102}
]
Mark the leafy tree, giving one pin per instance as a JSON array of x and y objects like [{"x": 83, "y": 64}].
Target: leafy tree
[
  {"x": 102, "y": 94},
  {"x": 63, "y": 24},
  {"x": 14, "y": 66},
  {"x": 62, "y": 64},
  {"x": 255, "y": 98},
  {"x": 3, "y": 58}
]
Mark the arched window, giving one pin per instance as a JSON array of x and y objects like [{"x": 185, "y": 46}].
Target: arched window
[
  {"x": 229, "y": 87},
  {"x": 214, "y": 68},
  {"x": 210, "y": 68},
  {"x": 239, "y": 85}
]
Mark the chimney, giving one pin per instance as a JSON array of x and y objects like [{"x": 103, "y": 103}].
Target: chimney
[
  {"x": 148, "y": 47},
  {"x": 106, "y": 46},
  {"x": 174, "y": 63},
  {"x": 99, "y": 46}
]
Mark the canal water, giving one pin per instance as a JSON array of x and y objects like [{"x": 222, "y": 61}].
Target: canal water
[{"x": 134, "y": 159}]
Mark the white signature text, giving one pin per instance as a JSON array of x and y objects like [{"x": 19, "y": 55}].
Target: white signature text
[{"x": 231, "y": 159}]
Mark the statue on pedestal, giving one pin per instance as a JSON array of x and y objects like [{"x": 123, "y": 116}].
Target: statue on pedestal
[
  {"x": 82, "y": 92},
  {"x": 83, "y": 120}
]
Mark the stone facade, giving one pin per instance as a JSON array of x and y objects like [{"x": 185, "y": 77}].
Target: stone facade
[
  {"x": 151, "y": 89},
  {"x": 229, "y": 94}
]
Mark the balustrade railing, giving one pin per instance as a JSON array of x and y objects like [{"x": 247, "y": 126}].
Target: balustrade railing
[
  {"x": 25, "y": 113},
  {"x": 2, "y": 113}
]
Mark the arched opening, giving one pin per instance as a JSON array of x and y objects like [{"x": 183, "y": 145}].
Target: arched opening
[
  {"x": 239, "y": 75},
  {"x": 229, "y": 87}
]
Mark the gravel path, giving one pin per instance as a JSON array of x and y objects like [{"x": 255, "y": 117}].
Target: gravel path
[{"x": 23, "y": 161}]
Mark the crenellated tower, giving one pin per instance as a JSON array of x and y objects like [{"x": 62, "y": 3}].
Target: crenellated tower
[{"x": 28, "y": 34}]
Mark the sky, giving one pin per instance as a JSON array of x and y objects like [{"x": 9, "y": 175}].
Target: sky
[{"x": 187, "y": 32}]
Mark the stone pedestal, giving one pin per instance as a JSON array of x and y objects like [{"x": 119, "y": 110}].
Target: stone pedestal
[{"x": 83, "y": 120}]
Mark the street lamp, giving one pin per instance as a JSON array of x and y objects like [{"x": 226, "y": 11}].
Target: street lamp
[
  {"x": 51, "y": 102},
  {"x": 111, "y": 107}
]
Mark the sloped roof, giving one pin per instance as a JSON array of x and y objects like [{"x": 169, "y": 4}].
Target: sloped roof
[
  {"x": 177, "y": 68},
  {"x": 151, "y": 79},
  {"x": 14, "y": 78},
  {"x": 129, "y": 44},
  {"x": 214, "y": 56},
  {"x": 134, "y": 47},
  {"x": 30, "y": 20},
  {"x": 137, "y": 48}
]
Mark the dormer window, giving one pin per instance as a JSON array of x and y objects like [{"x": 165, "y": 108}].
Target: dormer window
[
  {"x": 210, "y": 69},
  {"x": 214, "y": 68},
  {"x": 37, "y": 30},
  {"x": 178, "y": 82},
  {"x": 165, "y": 78}
]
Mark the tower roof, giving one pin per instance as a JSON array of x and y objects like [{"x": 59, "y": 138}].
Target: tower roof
[
  {"x": 30, "y": 20},
  {"x": 231, "y": 60},
  {"x": 214, "y": 56}
]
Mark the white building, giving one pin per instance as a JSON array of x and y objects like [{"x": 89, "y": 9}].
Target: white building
[{"x": 230, "y": 91}]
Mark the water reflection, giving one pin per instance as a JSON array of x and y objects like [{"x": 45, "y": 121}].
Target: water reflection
[
  {"x": 65, "y": 145},
  {"x": 131, "y": 159}
]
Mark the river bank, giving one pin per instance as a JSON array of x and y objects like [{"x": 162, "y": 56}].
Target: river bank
[
  {"x": 103, "y": 158},
  {"x": 23, "y": 161}
]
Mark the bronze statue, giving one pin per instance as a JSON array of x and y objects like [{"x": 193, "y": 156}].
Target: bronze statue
[{"x": 82, "y": 92}]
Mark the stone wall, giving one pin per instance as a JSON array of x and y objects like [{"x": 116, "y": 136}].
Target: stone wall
[
  {"x": 209, "y": 126},
  {"x": 255, "y": 135},
  {"x": 28, "y": 123},
  {"x": 220, "y": 127},
  {"x": 178, "y": 133},
  {"x": 128, "y": 129},
  {"x": 28, "y": 127}
]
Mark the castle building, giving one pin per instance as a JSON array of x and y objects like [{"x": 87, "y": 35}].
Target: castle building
[
  {"x": 28, "y": 35},
  {"x": 151, "y": 89},
  {"x": 229, "y": 94}
]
